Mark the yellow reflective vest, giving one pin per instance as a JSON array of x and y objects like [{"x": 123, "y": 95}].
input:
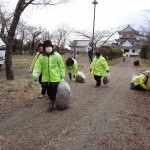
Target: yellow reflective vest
[
  {"x": 142, "y": 81},
  {"x": 34, "y": 60},
  {"x": 99, "y": 66},
  {"x": 52, "y": 67},
  {"x": 73, "y": 68}
]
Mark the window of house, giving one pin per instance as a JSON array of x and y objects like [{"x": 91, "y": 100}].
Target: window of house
[
  {"x": 133, "y": 51},
  {"x": 126, "y": 50}
]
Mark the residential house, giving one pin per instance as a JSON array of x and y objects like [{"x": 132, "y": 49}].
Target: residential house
[
  {"x": 128, "y": 41},
  {"x": 79, "y": 46}
]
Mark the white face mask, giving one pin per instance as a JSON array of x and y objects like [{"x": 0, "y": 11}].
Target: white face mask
[{"x": 48, "y": 49}]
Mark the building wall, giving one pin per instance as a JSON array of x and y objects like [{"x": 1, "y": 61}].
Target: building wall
[
  {"x": 132, "y": 52},
  {"x": 79, "y": 49}
]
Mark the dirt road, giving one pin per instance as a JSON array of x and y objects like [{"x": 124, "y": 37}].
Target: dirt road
[{"x": 105, "y": 118}]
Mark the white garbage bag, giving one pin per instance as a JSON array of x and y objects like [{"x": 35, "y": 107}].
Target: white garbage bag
[
  {"x": 63, "y": 95},
  {"x": 80, "y": 77},
  {"x": 106, "y": 78},
  {"x": 133, "y": 77}
]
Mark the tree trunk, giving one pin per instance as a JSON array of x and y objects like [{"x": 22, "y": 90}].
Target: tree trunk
[
  {"x": 8, "y": 60},
  {"x": 11, "y": 33}
]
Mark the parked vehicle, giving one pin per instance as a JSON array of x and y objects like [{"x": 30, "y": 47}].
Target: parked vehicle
[{"x": 2, "y": 52}]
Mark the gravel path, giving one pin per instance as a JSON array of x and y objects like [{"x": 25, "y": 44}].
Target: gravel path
[{"x": 93, "y": 121}]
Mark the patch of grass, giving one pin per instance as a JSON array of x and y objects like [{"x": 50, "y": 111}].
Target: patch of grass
[
  {"x": 114, "y": 61},
  {"x": 145, "y": 63},
  {"x": 22, "y": 61}
]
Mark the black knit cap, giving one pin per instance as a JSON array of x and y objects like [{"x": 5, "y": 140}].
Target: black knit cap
[
  {"x": 47, "y": 43},
  {"x": 40, "y": 44},
  {"x": 98, "y": 53}
]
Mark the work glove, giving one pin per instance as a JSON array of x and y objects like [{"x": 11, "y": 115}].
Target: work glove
[
  {"x": 34, "y": 78},
  {"x": 30, "y": 70}
]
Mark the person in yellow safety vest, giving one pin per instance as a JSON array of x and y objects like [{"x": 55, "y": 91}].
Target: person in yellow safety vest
[
  {"x": 52, "y": 67},
  {"x": 71, "y": 65},
  {"x": 124, "y": 57},
  {"x": 99, "y": 67},
  {"x": 40, "y": 51},
  {"x": 140, "y": 82}
]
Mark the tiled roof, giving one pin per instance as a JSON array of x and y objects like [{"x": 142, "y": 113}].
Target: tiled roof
[
  {"x": 128, "y": 29},
  {"x": 80, "y": 43}
]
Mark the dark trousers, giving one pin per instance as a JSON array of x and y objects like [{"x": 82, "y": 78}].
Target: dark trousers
[
  {"x": 70, "y": 76},
  {"x": 124, "y": 59},
  {"x": 135, "y": 87},
  {"x": 43, "y": 91},
  {"x": 90, "y": 58},
  {"x": 98, "y": 80},
  {"x": 51, "y": 90}
]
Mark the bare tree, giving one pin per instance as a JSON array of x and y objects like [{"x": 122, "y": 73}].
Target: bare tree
[
  {"x": 99, "y": 35},
  {"x": 46, "y": 35},
  {"x": 5, "y": 19},
  {"x": 20, "y": 7},
  {"x": 22, "y": 33},
  {"x": 145, "y": 39},
  {"x": 61, "y": 35},
  {"x": 34, "y": 36}
]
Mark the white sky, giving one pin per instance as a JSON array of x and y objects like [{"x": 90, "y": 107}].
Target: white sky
[{"x": 79, "y": 14}]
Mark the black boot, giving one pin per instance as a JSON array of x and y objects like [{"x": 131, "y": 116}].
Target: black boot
[{"x": 51, "y": 106}]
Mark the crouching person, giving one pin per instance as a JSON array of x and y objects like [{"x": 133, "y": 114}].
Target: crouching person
[
  {"x": 52, "y": 67},
  {"x": 71, "y": 65},
  {"x": 140, "y": 82}
]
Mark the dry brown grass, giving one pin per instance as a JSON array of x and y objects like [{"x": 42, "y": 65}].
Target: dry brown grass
[
  {"x": 145, "y": 63},
  {"x": 22, "y": 61},
  {"x": 17, "y": 93}
]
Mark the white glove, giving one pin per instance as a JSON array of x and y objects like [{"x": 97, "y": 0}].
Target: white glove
[{"x": 30, "y": 70}]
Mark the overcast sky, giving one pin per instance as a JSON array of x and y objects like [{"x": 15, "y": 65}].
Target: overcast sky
[{"x": 79, "y": 14}]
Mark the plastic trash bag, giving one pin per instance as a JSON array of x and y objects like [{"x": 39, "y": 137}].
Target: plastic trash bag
[
  {"x": 133, "y": 77},
  {"x": 80, "y": 77},
  {"x": 106, "y": 78},
  {"x": 63, "y": 95}
]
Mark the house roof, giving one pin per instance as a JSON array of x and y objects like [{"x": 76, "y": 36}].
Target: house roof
[
  {"x": 127, "y": 43},
  {"x": 79, "y": 43},
  {"x": 128, "y": 29},
  {"x": 125, "y": 39}
]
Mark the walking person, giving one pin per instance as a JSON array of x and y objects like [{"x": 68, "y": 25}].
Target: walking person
[
  {"x": 124, "y": 57},
  {"x": 99, "y": 67},
  {"x": 71, "y": 65},
  {"x": 140, "y": 82},
  {"x": 52, "y": 67},
  {"x": 90, "y": 54},
  {"x": 40, "y": 51}
]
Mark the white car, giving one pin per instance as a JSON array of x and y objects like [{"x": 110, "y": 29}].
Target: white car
[{"x": 2, "y": 52}]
